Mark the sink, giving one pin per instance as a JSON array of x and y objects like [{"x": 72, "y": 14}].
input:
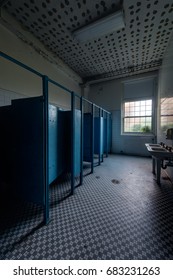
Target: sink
[
  {"x": 153, "y": 145},
  {"x": 158, "y": 151}
]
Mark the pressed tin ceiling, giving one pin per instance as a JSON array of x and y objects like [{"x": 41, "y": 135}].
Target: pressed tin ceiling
[{"x": 137, "y": 48}]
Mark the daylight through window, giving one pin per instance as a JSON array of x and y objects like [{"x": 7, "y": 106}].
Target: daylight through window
[
  {"x": 166, "y": 113},
  {"x": 138, "y": 116}
]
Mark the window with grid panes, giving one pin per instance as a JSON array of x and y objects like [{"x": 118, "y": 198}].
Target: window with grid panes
[
  {"x": 138, "y": 116},
  {"x": 166, "y": 113}
]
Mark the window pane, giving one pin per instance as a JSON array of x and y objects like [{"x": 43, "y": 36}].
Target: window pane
[
  {"x": 149, "y": 102},
  {"x": 166, "y": 119},
  {"x": 138, "y": 116}
]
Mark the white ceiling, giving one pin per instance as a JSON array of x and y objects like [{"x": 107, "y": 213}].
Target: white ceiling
[{"x": 137, "y": 48}]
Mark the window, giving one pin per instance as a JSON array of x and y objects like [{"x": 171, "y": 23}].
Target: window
[
  {"x": 166, "y": 115},
  {"x": 137, "y": 116}
]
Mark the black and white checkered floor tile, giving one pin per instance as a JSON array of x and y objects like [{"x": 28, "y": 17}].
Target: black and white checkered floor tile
[{"x": 118, "y": 213}]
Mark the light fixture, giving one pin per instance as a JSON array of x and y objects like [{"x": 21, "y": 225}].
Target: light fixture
[{"x": 100, "y": 27}]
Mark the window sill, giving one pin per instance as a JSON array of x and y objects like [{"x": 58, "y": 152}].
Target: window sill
[{"x": 137, "y": 134}]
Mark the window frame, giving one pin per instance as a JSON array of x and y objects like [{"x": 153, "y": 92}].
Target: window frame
[
  {"x": 165, "y": 115},
  {"x": 140, "y": 133}
]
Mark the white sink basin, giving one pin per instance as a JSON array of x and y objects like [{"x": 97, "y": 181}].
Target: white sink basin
[
  {"x": 158, "y": 151},
  {"x": 157, "y": 148},
  {"x": 154, "y": 145}
]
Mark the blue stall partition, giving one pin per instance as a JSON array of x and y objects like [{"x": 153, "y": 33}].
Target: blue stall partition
[
  {"x": 27, "y": 144},
  {"x": 6, "y": 151},
  {"x": 98, "y": 135},
  {"x": 53, "y": 143},
  {"x": 107, "y": 134},
  {"x": 77, "y": 143},
  {"x": 67, "y": 115},
  {"x": 87, "y": 138},
  {"x": 61, "y": 161},
  {"x": 56, "y": 139}
]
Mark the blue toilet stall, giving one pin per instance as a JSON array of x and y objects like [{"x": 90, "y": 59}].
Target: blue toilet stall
[
  {"x": 97, "y": 137},
  {"x": 22, "y": 157},
  {"x": 39, "y": 141},
  {"x": 107, "y": 134}
]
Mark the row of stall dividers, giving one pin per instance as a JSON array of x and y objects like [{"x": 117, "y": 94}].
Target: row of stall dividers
[{"x": 45, "y": 93}]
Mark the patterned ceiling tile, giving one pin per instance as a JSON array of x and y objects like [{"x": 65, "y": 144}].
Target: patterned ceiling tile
[{"x": 137, "y": 48}]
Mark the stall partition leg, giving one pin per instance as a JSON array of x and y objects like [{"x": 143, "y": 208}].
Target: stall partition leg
[
  {"x": 46, "y": 147},
  {"x": 72, "y": 141}
]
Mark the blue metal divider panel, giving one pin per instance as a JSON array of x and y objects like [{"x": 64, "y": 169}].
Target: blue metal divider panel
[
  {"x": 65, "y": 120},
  {"x": 27, "y": 144},
  {"x": 105, "y": 136},
  {"x": 109, "y": 134},
  {"x": 101, "y": 136},
  {"x": 98, "y": 135},
  {"x": 61, "y": 142},
  {"x": 87, "y": 141},
  {"x": 77, "y": 146},
  {"x": 67, "y": 141},
  {"x": 6, "y": 139},
  {"x": 53, "y": 143}
]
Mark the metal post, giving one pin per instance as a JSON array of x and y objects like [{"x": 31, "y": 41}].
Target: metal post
[
  {"x": 102, "y": 148},
  {"x": 153, "y": 165},
  {"x": 46, "y": 147},
  {"x": 107, "y": 133},
  {"x": 72, "y": 142},
  {"x": 99, "y": 136},
  {"x": 92, "y": 139},
  {"x": 81, "y": 142},
  {"x": 158, "y": 170}
]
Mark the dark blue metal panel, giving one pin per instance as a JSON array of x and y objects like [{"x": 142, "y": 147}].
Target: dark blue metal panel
[
  {"x": 99, "y": 154},
  {"x": 105, "y": 135},
  {"x": 63, "y": 149},
  {"x": 109, "y": 133},
  {"x": 53, "y": 143},
  {"x": 92, "y": 139},
  {"x": 45, "y": 120},
  {"x": 6, "y": 152},
  {"x": 81, "y": 142},
  {"x": 77, "y": 144},
  {"x": 72, "y": 144},
  {"x": 27, "y": 143},
  {"x": 67, "y": 116},
  {"x": 87, "y": 146},
  {"x": 101, "y": 135},
  {"x": 98, "y": 135},
  {"x": 66, "y": 148}
]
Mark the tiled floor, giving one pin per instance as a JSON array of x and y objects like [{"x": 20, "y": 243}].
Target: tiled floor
[{"x": 118, "y": 213}]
